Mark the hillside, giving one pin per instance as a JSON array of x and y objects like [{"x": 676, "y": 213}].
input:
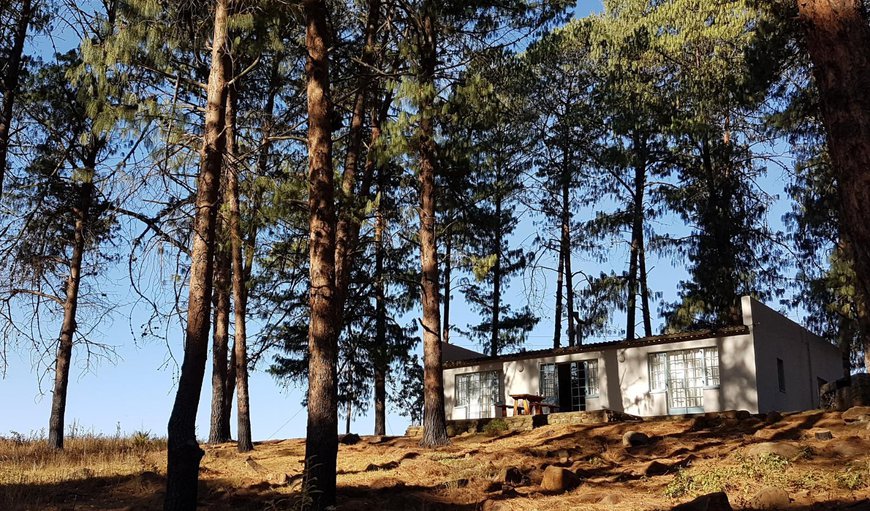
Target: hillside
[{"x": 683, "y": 458}]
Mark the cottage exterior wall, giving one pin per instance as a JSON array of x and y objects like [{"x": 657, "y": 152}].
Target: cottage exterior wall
[
  {"x": 736, "y": 376},
  {"x": 806, "y": 358},
  {"x": 748, "y": 373}
]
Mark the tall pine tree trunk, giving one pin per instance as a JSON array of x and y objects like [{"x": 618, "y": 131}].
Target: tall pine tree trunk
[
  {"x": 640, "y": 159},
  {"x": 644, "y": 291},
  {"x": 496, "y": 279},
  {"x": 566, "y": 251},
  {"x": 219, "y": 431},
  {"x": 82, "y": 215},
  {"x": 838, "y": 38},
  {"x": 321, "y": 443},
  {"x": 350, "y": 214},
  {"x": 229, "y": 393},
  {"x": 434, "y": 420},
  {"x": 239, "y": 283},
  {"x": 380, "y": 358},
  {"x": 560, "y": 275},
  {"x": 448, "y": 270},
  {"x": 184, "y": 454},
  {"x": 10, "y": 84}
]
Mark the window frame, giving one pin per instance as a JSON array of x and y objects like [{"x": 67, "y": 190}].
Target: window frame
[{"x": 711, "y": 372}]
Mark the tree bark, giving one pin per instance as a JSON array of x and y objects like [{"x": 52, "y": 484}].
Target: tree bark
[
  {"x": 566, "y": 251},
  {"x": 560, "y": 273},
  {"x": 838, "y": 36},
  {"x": 184, "y": 454},
  {"x": 640, "y": 160},
  {"x": 380, "y": 359},
  {"x": 82, "y": 214},
  {"x": 321, "y": 443},
  {"x": 434, "y": 420},
  {"x": 10, "y": 84},
  {"x": 239, "y": 284},
  {"x": 644, "y": 291},
  {"x": 350, "y": 214},
  {"x": 219, "y": 431},
  {"x": 448, "y": 269},
  {"x": 496, "y": 278},
  {"x": 229, "y": 393}
]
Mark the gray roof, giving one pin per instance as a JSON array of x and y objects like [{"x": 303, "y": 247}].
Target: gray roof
[{"x": 643, "y": 341}]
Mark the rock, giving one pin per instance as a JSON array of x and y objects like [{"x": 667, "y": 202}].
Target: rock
[
  {"x": 495, "y": 505},
  {"x": 279, "y": 478},
  {"x": 857, "y": 414},
  {"x": 349, "y": 439},
  {"x": 770, "y": 498},
  {"x": 253, "y": 465},
  {"x": 558, "y": 479},
  {"x": 611, "y": 499},
  {"x": 848, "y": 447},
  {"x": 383, "y": 483},
  {"x": 493, "y": 487},
  {"x": 772, "y": 417},
  {"x": 634, "y": 438},
  {"x": 736, "y": 414},
  {"x": 711, "y": 502},
  {"x": 654, "y": 468},
  {"x": 563, "y": 455},
  {"x": 509, "y": 475},
  {"x": 783, "y": 450},
  {"x": 824, "y": 434}
]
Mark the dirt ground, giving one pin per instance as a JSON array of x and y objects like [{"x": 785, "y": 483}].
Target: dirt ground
[{"x": 692, "y": 456}]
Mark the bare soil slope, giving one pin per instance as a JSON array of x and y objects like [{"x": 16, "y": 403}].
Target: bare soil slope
[{"x": 751, "y": 460}]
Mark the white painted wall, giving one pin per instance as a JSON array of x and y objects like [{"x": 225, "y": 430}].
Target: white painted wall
[
  {"x": 736, "y": 376},
  {"x": 805, "y": 357}
]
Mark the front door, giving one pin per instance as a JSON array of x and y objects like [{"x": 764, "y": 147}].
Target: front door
[{"x": 686, "y": 382}]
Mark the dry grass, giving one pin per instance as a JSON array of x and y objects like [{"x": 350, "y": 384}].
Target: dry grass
[{"x": 116, "y": 473}]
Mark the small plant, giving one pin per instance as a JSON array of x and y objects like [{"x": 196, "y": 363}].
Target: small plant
[
  {"x": 853, "y": 478},
  {"x": 140, "y": 439},
  {"x": 495, "y": 427}
]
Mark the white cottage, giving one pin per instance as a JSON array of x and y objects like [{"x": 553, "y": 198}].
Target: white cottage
[{"x": 768, "y": 363}]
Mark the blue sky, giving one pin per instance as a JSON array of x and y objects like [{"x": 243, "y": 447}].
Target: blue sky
[{"x": 137, "y": 390}]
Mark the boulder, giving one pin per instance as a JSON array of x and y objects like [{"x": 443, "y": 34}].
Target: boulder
[
  {"x": 847, "y": 447},
  {"x": 654, "y": 468},
  {"x": 857, "y": 414},
  {"x": 279, "y": 478},
  {"x": 711, "y": 502},
  {"x": 634, "y": 439},
  {"x": 781, "y": 449},
  {"x": 383, "y": 483},
  {"x": 611, "y": 499},
  {"x": 770, "y": 498},
  {"x": 495, "y": 505},
  {"x": 772, "y": 417},
  {"x": 349, "y": 439},
  {"x": 558, "y": 480},
  {"x": 509, "y": 475}
]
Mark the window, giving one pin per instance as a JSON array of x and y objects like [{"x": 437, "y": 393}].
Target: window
[
  {"x": 698, "y": 367},
  {"x": 549, "y": 383},
  {"x": 780, "y": 372},
  {"x": 658, "y": 368},
  {"x": 711, "y": 366},
  {"x": 580, "y": 377},
  {"x": 591, "y": 367},
  {"x": 477, "y": 390}
]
